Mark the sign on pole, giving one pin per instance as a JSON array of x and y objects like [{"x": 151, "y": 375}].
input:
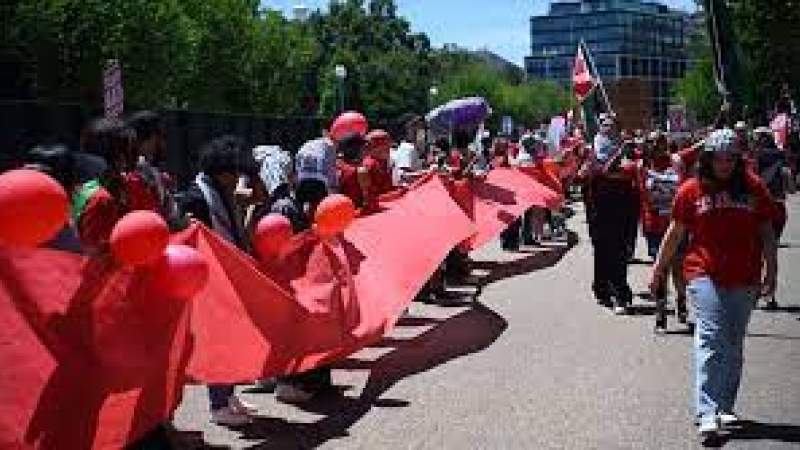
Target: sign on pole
[
  {"x": 676, "y": 118},
  {"x": 113, "y": 96}
]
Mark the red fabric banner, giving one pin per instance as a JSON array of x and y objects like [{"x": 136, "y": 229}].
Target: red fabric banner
[
  {"x": 494, "y": 202},
  {"x": 94, "y": 358},
  {"x": 91, "y": 358},
  {"x": 323, "y": 299}
]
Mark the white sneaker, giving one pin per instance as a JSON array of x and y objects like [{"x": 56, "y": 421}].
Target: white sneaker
[
  {"x": 728, "y": 419},
  {"x": 287, "y": 393},
  {"x": 238, "y": 405},
  {"x": 228, "y": 417},
  {"x": 620, "y": 310},
  {"x": 709, "y": 427}
]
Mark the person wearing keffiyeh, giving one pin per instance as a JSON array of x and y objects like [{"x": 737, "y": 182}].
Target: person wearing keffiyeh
[{"x": 211, "y": 199}]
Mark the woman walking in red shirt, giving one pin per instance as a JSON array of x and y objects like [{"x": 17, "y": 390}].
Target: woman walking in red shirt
[{"x": 727, "y": 213}]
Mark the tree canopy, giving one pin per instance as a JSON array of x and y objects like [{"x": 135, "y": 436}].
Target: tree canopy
[
  {"x": 766, "y": 31},
  {"x": 233, "y": 56}
]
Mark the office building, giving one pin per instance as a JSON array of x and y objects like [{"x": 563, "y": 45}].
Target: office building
[{"x": 638, "y": 48}]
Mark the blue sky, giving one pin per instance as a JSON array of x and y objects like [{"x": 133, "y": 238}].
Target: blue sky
[{"x": 497, "y": 25}]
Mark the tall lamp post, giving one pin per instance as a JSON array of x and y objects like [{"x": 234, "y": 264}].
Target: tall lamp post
[
  {"x": 341, "y": 74},
  {"x": 433, "y": 92}
]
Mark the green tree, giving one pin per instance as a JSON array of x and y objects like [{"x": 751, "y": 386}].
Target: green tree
[
  {"x": 770, "y": 38},
  {"x": 64, "y": 43},
  {"x": 388, "y": 66},
  {"x": 697, "y": 89},
  {"x": 464, "y": 74}
]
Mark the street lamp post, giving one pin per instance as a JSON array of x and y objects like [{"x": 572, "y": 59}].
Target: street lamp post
[
  {"x": 433, "y": 91},
  {"x": 341, "y": 74}
]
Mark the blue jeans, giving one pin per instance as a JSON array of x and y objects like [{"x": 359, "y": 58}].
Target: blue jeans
[{"x": 722, "y": 316}]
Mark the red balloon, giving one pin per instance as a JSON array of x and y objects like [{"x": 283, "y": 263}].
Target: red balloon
[
  {"x": 334, "y": 213},
  {"x": 349, "y": 122},
  {"x": 33, "y": 208},
  {"x": 271, "y": 234},
  {"x": 180, "y": 273},
  {"x": 140, "y": 237}
]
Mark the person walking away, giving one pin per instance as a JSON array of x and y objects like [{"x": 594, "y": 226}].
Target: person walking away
[
  {"x": 211, "y": 200},
  {"x": 770, "y": 163},
  {"x": 727, "y": 213}
]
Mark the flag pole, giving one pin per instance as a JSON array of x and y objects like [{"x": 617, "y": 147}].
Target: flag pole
[{"x": 589, "y": 57}]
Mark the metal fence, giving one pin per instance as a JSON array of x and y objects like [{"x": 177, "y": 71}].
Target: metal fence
[{"x": 23, "y": 124}]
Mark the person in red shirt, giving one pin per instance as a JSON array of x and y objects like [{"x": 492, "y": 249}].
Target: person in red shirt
[
  {"x": 147, "y": 186},
  {"x": 377, "y": 164},
  {"x": 353, "y": 178},
  {"x": 100, "y": 202},
  {"x": 731, "y": 258}
]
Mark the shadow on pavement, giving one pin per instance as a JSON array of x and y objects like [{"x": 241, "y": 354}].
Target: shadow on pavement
[
  {"x": 468, "y": 332},
  {"x": 779, "y": 337},
  {"x": 533, "y": 261},
  {"x": 757, "y": 431},
  {"x": 791, "y": 309}
]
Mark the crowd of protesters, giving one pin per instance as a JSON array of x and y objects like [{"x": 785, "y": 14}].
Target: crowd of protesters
[
  {"x": 684, "y": 194},
  {"x": 712, "y": 209}
]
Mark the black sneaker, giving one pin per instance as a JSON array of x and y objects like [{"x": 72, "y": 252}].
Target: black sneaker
[
  {"x": 772, "y": 305},
  {"x": 682, "y": 313}
]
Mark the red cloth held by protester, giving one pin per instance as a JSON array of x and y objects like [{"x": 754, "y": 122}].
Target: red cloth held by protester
[
  {"x": 348, "y": 182},
  {"x": 725, "y": 243},
  {"x": 140, "y": 194},
  {"x": 98, "y": 219},
  {"x": 321, "y": 300},
  {"x": 380, "y": 177},
  {"x": 496, "y": 201},
  {"x": 94, "y": 358}
]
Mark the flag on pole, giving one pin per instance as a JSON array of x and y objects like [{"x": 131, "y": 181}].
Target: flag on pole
[
  {"x": 583, "y": 83},
  {"x": 728, "y": 71}
]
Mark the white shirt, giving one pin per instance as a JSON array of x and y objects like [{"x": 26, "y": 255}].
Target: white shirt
[{"x": 404, "y": 158}]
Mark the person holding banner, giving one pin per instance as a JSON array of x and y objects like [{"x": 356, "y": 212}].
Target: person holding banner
[
  {"x": 211, "y": 200},
  {"x": 732, "y": 255},
  {"x": 770, "y": 162},
  {"x": 147, "y": 186}
]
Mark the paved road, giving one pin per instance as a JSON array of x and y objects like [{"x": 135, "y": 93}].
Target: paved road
[{"x": 534, "y": 364}]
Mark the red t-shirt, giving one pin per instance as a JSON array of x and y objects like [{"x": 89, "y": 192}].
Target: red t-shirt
[
  {"x": 380, "y": 178},
  {"x": 142, "y": 196},
  {"x": 348, "y": 182},
  {"x": 98, "y": 219},
  {"x": 724, "y": 243}
]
